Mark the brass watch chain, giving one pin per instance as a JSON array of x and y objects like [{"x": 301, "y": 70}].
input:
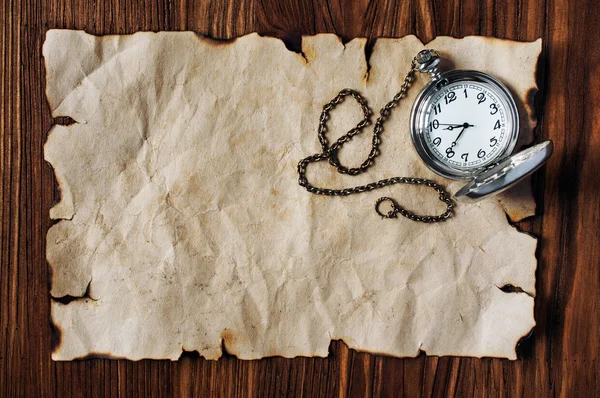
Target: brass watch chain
[{"x": 330, "y": 153}]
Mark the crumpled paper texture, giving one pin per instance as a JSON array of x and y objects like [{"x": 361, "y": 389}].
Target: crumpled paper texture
[{"x": 182, "y": 225}]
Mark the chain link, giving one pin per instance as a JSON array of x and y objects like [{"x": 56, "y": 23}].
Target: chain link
[{"x": 330, "y": 153}]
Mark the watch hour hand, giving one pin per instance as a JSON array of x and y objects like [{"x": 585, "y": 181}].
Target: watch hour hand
[
  {"x": 459, "y": 134},
  {"x": 464, "y": 126}
]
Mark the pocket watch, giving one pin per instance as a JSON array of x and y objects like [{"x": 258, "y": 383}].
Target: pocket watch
[{"x": 464, "y": 125}]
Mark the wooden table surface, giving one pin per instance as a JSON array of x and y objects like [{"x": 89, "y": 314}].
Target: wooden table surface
[{"x": 560, "y": 358}]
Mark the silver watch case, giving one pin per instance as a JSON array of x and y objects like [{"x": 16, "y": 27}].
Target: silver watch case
[
  {"x": 489, "y": 179},
  {"x": 418, "y": 120}
]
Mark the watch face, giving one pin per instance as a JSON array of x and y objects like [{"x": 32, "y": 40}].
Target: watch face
[
  {"x": 466, "y": 125},
  {"x": 463, "y": 124}
]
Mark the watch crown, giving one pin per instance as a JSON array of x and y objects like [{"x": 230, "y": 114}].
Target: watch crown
[
  {"x": 425, "y": 56},
  {"x": 428, "y": 61}
]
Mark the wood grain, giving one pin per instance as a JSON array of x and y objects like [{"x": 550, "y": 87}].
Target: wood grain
[{"x": 560, "y": 359}]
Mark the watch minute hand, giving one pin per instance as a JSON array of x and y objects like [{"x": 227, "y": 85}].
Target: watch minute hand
[
  {"x": 451, "y": 126},
  {"x": 455, "y": 126}
]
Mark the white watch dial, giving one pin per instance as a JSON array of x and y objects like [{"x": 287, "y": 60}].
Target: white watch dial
[{"x": 467, "y": 125}]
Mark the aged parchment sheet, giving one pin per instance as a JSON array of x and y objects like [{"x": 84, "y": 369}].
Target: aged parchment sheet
[{"x": 182, "y": 225}]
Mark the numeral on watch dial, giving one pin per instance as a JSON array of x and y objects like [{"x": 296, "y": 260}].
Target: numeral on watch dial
[{"x": 451, "y": 96}]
